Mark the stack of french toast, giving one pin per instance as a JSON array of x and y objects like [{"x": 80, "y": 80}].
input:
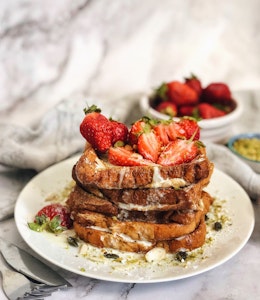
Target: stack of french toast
[{"x": 141, "y": 187}]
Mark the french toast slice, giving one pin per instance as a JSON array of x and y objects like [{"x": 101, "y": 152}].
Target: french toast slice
[
  {"x": 109, "y": 201},
  {"x": 94, "y": 171},
  {"x": 145, "y": 231},
  {"x": 106, "y": 239}
]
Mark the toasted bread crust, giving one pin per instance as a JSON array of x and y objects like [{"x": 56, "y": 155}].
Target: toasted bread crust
[
  {"x": 145, "y": 231},
  {"x": 91, "y": 171},
  {"x": 103, "y": 239}
]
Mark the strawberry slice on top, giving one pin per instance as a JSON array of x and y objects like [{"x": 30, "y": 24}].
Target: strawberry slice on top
[
  {"x": 178, "y": 152},
  {"x": 122, "y": 156},
  {"x": 191, "y": 128},
  {"x": 149, "y": 145}
]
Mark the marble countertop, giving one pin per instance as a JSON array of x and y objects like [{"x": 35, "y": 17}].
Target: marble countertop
[{"x": 92, "y": 49}]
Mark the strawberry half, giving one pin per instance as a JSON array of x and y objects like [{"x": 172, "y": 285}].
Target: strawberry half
[
  {"x": 178, "y": 152},
  {"x": 137, "y": 129},
  {"x": 52, "y": 217},
  {"x": 121, "y": 156},
  {"x": 191, "y": 128},
  {"x": 148, "y": 145},
  {"x": 97, "y": 129},
  {"x": 160, "y": 130}
]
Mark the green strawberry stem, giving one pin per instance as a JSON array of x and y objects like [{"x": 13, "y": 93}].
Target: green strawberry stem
[{"x": 92, "y": 108}]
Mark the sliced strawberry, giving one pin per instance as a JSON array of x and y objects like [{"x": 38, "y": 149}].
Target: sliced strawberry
[
  {"x": 121, "y": 156},
  {"x": 181, "y": 94},
  {"x": 191, "y": 128},
  {"x": 137, "y": 129},
  {"x": 208, "y": 111},
  {"x": 120, "y": 132},
  {"x": 167, "y": 108},
  {"x": 97, "y": 129},
  {"x": 148, "y": 145},
  {"x": 174, "y": 131},
  {"x": 178, "y": 152},
  {"x": 194, "y": 82},
  {"x": 160, "y": 130},
  {"x": 217, "y": 92}
]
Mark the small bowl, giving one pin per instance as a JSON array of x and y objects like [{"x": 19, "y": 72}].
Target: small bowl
[
  {"x": 254, "y": 164},
  {"x": 212, "y": 130}
]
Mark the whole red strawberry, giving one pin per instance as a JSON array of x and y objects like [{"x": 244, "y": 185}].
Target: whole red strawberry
[
  {"x": 52, "y": 217},
  {"x": 208, "y": 111},
  {"x": 97, "y": 129},
  {"x": 194, "y": 82},
  {"x": 181, "y": 94},
  {"x": 120, "y": 132},
  {"x": 188, "y": 110},
  {"x": 217, "y": 92},
  {"x": 167, "y": 108}
]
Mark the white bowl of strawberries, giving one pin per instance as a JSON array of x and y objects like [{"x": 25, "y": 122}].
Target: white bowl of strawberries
[{"x": 212, "y": 106}]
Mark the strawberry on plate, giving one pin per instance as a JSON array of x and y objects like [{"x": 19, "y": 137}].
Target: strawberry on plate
[
  {"x": 208, "y": 111},
  {"x": 177, "y": 152},
  {"x": 121, "y": 156},
  {"x": 53, "y": 217},
  {"x": 97, "y": 129},
  {"x": 181, "y": 94}
]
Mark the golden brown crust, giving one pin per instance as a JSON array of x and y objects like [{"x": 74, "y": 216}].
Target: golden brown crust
[
  {"x": 90, "y": 171},
  {"x": 103, "y": 239},
  {"x": 143, "y": 230}
]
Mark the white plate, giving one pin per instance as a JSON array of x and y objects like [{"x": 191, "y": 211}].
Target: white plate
[{"x": 226, "y": 242}]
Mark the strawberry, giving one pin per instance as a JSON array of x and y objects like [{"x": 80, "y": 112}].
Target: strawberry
[
  {"x": 191, "y": 128},
  {"x": 174, "y": 131},
  {"x": 119, "y": 130},
  {"x": 122, "y": 156},
  {"x": 53, "y": 217},
  {"x": 194, "y": 83},
  {"x": 160, "y": 130},
  {"x": 97, "y": 129},
  {"x": 208, "y": 111},
  {"x": 217, "y": 92},
  {"x": 177, "y": 152},
  {"x": 137, "y": 129},
  {"x": 148, "y": 145},
  {"x": 167, "y": 108},
  {"x": 181, "y": 94},
  {"x": 188, "y": 110}
]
